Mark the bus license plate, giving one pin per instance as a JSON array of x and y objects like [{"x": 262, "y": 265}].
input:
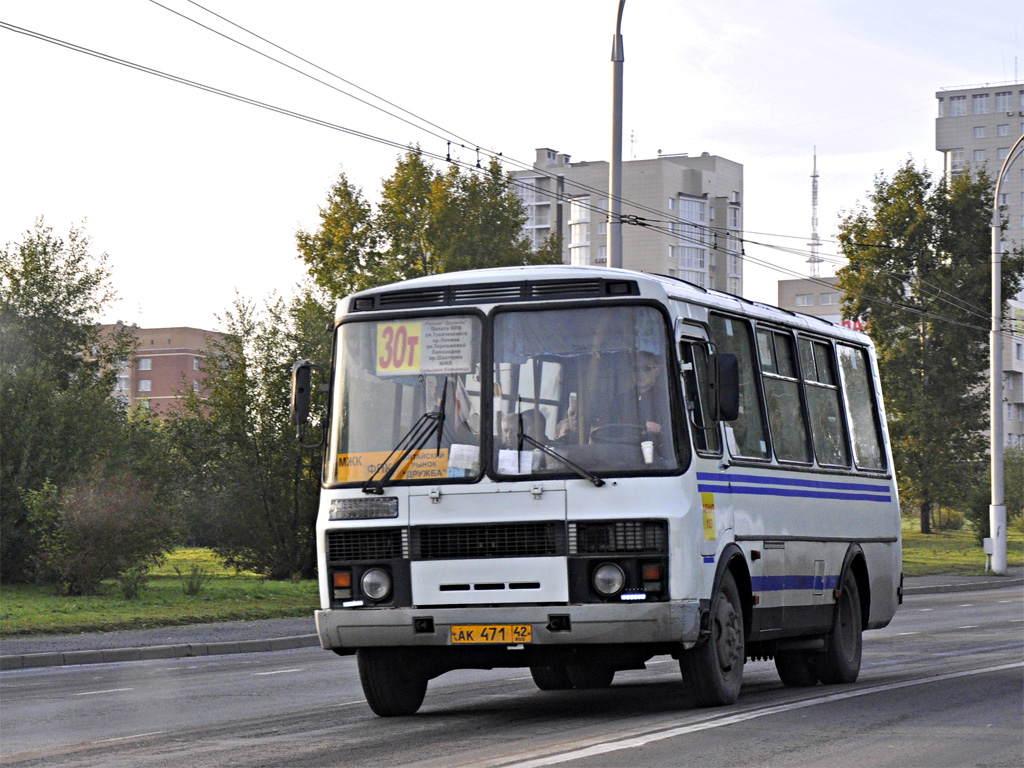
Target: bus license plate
[{"x": 506, "y": 634}]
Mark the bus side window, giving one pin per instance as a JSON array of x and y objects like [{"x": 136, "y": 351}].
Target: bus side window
[
  {"x": 706, "y": 438},
  {"x": 862, "y": 408},
  {"x": 782, "y": 393},
  {"x": 821, "y": 386},
  {"x": 747, "y": 435}
]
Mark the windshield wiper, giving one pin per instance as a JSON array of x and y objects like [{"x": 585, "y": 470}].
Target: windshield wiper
[
  {"x": 585, "y": 474},
  {"x": 413, "y": 440}
]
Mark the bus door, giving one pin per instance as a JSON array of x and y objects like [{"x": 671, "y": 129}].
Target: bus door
[
  {"x": 714, "y": 506},
  {"x": 746, "y": 450}
]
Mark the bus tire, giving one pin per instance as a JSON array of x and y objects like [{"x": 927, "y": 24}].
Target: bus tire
[
  {"x": 714, "y": 669},
  {"x": 590, "y": 677},
  {"x": 393, "y": 683},
  {"x": 840, "y": 661},
  {"x": 551, "y": 678},
  {"x": 796, "y": 669}
]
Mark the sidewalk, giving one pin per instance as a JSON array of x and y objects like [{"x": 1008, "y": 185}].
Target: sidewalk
[{"x": 287, "y": 634}]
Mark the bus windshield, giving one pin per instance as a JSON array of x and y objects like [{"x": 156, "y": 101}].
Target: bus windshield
[
  {"x": 406, "y": 400},
  {"x": 591, "y": 384}
]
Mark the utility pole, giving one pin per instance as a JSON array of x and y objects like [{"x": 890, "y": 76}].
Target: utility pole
[
  {"x": 615, "y": 169},
  {"x": 997, "y": 509}
]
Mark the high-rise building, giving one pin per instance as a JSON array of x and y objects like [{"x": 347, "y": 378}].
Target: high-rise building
[
  {"x": 976, "y": 127},
  {"x": 166, "y": 363},
  {"x": 682, "y": 215}
]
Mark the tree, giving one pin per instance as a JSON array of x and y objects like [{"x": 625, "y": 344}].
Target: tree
[
  {"x": 56, "y": 374},
  {"x": 919, "y": 274},
  {"x": 427, "y": 223},
  {"x": 252, "y": 491}
]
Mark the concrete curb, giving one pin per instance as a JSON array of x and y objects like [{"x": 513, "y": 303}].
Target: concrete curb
[
  {"x": 149, "y": 653},
  {"x": 992, "y": 582}
]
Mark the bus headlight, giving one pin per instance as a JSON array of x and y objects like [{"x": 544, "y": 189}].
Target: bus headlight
[
  {"x": 375, "y": 584},
  {"x": 608, "y": 579}
]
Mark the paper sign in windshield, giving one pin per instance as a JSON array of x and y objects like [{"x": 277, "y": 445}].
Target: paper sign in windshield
[
  {"x": 430, "y": 346},
  {"x": 419, "y": 465}
]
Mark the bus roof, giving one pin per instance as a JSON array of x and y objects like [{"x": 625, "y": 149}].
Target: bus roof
[{"x": 559, "y": 281}]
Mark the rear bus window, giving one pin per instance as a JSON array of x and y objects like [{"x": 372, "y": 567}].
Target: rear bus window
[{"x": 861, "y": 407}]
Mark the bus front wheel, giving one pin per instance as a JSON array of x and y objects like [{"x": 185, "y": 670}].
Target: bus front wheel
[
  {"x": 393, "y": 683},
  {"x": 714, "y": 669}
]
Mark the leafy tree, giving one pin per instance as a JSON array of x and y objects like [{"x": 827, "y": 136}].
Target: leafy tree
[
  {"x": 427, "y": 223},
  {"x": 56, "y": 374},
  {"x": 252, "y": 491},
  {"x": 919, "y": 274}
]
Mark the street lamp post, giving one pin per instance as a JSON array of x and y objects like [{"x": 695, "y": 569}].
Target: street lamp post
[
  {"x": 997, "y": 509},
  {"x": 615, "y": 169}
]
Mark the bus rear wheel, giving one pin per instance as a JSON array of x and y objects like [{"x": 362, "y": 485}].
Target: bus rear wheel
[
  {"x": 796, "y": 668},
  {"x": 714, "y": 669},
  {"x": 550, "y": 678},
  {"x": 840, "y": 661},
  {"x": 393, "y": 683}
]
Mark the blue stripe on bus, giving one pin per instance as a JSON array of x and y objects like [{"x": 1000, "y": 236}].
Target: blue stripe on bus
[
  {"x": 811, "y": 489},
  {"x": 792, "y": 581}
]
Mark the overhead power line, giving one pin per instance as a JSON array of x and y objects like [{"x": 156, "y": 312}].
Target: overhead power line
[{"x": 654, "y": 224}]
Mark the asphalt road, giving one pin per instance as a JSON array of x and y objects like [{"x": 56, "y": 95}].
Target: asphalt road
[{"x": 943, "y": 685}]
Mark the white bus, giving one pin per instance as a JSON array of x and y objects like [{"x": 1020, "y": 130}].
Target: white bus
[{"x": 577, "y": 469}]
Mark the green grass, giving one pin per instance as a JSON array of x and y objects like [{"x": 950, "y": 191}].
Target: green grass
[
  {"x": 227, "y": 596},
  {"x": 230, "y": 596},
  {"x": 953, "y": 551}
]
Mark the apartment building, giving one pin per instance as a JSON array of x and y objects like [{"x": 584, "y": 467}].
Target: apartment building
[
  {"x": 683, "y": 216},
  {"x": 976, "y": 127},
  {"x": 166, "y": 363}
]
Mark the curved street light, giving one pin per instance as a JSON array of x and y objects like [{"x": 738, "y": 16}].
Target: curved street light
[
  {"x": 615, "y": 168},
  {"x": 997, "y": 509}
]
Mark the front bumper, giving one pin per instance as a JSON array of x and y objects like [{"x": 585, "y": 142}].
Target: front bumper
[{"x": 604, "y": 624}]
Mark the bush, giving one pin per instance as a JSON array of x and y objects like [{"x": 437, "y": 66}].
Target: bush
[
  {"x": 949, "y": 520},
  {"x": 1013, "y": 483},
  {"x": 98, "y": 527}
]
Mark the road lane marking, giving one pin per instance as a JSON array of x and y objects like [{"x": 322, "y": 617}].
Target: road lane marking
[
  {"x": 614, "y": 744},
  {"x": 109, "y": 690},
  {"x": 275, "y": 672}
]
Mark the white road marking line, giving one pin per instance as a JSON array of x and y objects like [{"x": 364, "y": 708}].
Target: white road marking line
[
  {"x": 126, "y": 738},
  {"x": 275, "y": 672},
  {"x": 615, "y": 744},
  {"x": 96, "y": 693}
]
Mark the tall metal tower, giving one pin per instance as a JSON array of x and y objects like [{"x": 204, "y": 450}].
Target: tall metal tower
[{"x": 814, "y": 259}]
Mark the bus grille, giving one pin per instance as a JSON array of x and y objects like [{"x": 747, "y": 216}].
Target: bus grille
[
  {"x": 618, "y": 537},
  {"x": 449, "y": 542},
  {"x": 370, "y": 544}
]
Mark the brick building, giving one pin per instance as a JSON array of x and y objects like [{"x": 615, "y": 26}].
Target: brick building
[{"x": 166, "y": 363}]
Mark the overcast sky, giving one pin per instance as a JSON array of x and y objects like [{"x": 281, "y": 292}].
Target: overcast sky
[{"x": 195, "y": 196}]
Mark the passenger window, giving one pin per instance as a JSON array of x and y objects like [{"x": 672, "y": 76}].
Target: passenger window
[
  {"x": 861, "y": 408},
  {"x": 824, "y": 404},
  {"x": 782, "y": 394},
  {"x": 746, "y": 435}
]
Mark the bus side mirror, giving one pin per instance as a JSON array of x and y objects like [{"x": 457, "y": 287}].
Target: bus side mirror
[
  {"x": 302, "y": 375},
  {"x": 725, "y": 386}
]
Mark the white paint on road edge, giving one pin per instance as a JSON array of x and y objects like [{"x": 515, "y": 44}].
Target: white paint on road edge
[{"x": 598, "y": 747}]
